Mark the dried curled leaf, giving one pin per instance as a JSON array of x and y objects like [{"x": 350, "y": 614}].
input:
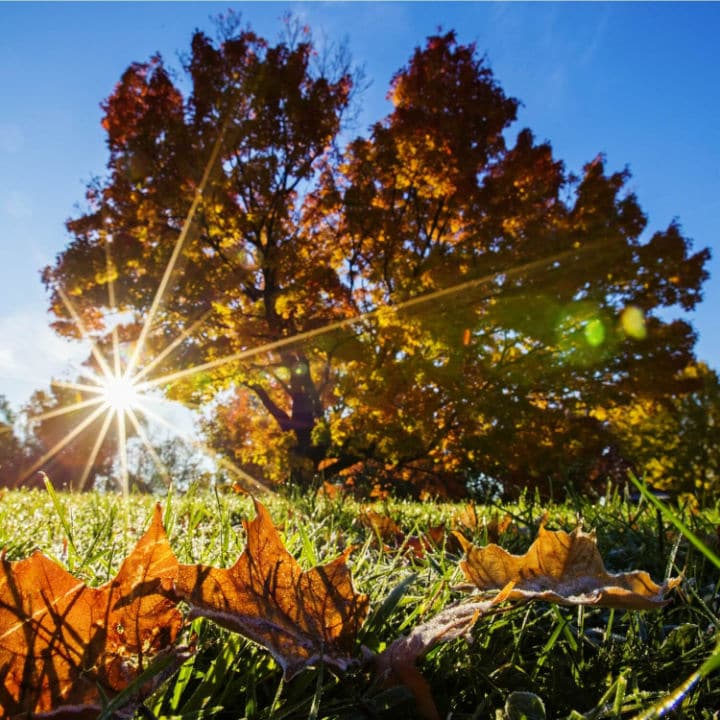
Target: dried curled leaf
[
  {"x": 467, "y": 518},
  {"x": 394, "y": 538},
  {"x": 300, "y": 617},
  {"x": 562, "y": 568},
  {"x": 63, "y": 643}
]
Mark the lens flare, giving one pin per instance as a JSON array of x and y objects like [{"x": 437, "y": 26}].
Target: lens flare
[
  {"x": 595, "y": 332},
  {"x": 632, "y": 321}
]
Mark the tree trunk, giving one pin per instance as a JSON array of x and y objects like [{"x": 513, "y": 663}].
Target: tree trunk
[{"x": 305, "y": 410}]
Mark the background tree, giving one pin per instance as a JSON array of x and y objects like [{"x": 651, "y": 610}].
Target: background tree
[
  {"x": 556, "y": 309},
  {"x": 65, "y": 441},
  {"x": 11, "y": 446},
  {"x": 251, "y": 266},
  {"x": 674, "y": 442},
  {"x": 173, "y": 461},
  {"x": 498, "y": 300}
]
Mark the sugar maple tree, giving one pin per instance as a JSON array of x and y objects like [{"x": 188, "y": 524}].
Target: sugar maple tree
[{"x": 556, "y": 300}]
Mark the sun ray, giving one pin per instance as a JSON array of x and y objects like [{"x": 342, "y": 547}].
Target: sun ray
[
  {"x": 68, "y": 408},
  {"x": 177, "y": 249},
  {"x": 254, "y": 483},
  {"x": 94, "y": 452},
  {"x": 122, "y": 450},
  {"x": 345, "y": 323},
  {"x": 171, "y": 347},
  {"x": 102, "y": 362},
  {"x": 63, "y": 442},
  {"x": 159, "y": 464},
  {"x": 80, "y": 387},
  {"x": 113, "y": 307}
]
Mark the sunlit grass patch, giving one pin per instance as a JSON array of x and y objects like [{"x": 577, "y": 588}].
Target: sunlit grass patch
[{"x": 586, "y": 662}]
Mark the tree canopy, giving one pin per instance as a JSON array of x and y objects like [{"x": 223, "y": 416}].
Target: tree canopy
[
  {"x": 436, "y": 299},
  {"x": 675, "y": 442}
]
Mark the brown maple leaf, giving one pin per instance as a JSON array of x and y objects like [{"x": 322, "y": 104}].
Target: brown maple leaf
[
  {"x": 562, "y": 568},
  {"x": 393, "y": 537},
  {"x": 382, "y": 525},
  {"x": 63, "y": 643},
  {"x": 420, "y": 545},
  {"x": 468, "y": 518},
  {"x": 300, "y": 617}
]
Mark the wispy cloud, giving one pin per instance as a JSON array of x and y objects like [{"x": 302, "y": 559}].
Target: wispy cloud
[
  {"x": 597, "y": 37},
  {"x": 31, "y": 354}
]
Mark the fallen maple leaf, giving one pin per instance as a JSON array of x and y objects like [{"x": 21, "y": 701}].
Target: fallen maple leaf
[
  {"x": 300, "y": 617},
  {"x": 330, "y": 491},
  {"x": 63, "y": 644},
  {"x": 393, "y": 537},
  {"x": 430, "y": 540},
  {"x": 468, "y": 518},
  {"x": 562, "y": 568},
  {"x": 382, "y": 525}
]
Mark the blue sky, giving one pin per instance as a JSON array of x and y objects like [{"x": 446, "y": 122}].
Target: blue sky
[{"x": 636, "y": 81}]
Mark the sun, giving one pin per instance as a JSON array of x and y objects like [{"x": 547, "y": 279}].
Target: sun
[{"x": 120, "y": 393}]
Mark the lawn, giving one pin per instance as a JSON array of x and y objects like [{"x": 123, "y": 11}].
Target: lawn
[{"x": 529, "y": 660}]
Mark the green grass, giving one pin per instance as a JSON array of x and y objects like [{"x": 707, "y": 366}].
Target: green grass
[{"x": 588, "y": 663}]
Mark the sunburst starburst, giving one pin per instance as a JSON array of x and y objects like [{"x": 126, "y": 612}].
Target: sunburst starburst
[
  {"x": 120, "y": 388},
  {"x": 120, "y": 393}
]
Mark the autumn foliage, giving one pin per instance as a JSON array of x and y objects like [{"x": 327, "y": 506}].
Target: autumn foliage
[
  {"x": 436, "y": 300},
  {"x": 67, "y": 649}
]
